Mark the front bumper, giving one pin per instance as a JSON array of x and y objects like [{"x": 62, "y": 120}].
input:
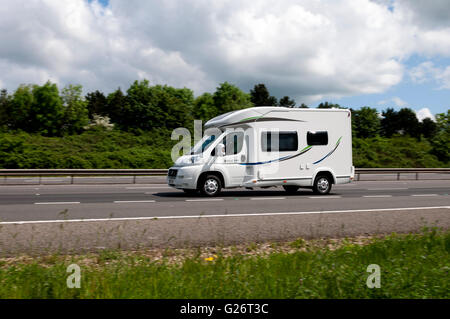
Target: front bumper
[{"x": 185, "y": 177}]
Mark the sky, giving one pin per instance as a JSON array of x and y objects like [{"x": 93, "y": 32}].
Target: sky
[{"x": 377, "y": 53}]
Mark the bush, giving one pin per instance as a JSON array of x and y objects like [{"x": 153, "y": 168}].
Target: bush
[
  {"x": 398, "y": 151},
  {"x": 98, "y": 148},
  {"x": 102, "y": 148}
]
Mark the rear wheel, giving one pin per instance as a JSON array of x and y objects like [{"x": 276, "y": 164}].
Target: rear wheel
[
  {"x": 291, "y": 189},
  {"x": 211, "y": 186},
  {"x": 322, "y": 185}
]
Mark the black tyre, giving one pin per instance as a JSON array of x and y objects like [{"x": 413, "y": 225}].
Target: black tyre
[
  {"x": 322, "y": 185},
  {"x": 190, "y": 191},
  {"x": 291, "y": 189},
  {"x": 211, "y": 186}
]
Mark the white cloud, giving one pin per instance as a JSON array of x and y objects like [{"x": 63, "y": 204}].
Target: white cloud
[
  {"x": 308, "y": 50},
  {"x": 424, "y": 113},
  {"x": 427, "y": 71},
  {"x": 395, "y": 100},
  {"x": 399, "y": 102}
]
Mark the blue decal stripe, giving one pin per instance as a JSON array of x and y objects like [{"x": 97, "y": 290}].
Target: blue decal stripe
[
  {"x": 337, "y": 144},
  {"x": 284, "y": 158}
]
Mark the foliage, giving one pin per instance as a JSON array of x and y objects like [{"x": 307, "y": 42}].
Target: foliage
[
  {"x": 403, "y": 122},
  {"x": 327, "y": 105},
  {"x": 260, "y": 96},
  {"x": 97, "y": 104},
  {"x": 398, "y": 151},
  {"x": 229, "y": 97},
  {"x": 204, "y": 108},
  {"x": 144, "y": 110},
  {"x": 428, "y": 128},
  {"x": 441, "y": 140},
  {"x": 366, "y": 122},
  {"x": 75, "y": 109},
  {"x": 95, "y": 148},
  {"x": 286, "y": 101}
]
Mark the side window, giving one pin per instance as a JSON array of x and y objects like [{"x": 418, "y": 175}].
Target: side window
[
  {"x": 279, "y": 141},
  {"x": 233, "y": 143},
  {"x": 317, "y": 138}
]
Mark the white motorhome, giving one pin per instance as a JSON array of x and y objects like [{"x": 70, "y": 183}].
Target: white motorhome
[{"x": 269, "y": 146}]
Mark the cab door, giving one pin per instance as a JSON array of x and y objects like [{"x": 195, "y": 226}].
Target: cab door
[{"x": 236, "y": 154}]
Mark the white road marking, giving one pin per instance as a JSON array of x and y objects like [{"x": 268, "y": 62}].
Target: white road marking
[
  {"x": 133, "y": 201},
  {"x": 103, "y": 177},
  {"x": 377, "y": 196},
  {"x": 423, "y": 195},
  {"x": 43, "y": 180},
  {"x": 228, "y": 215},
  {"x": 320, "y": 197},
  {"x": 386, "y": 189},
  {"x": 204, "y": 200},
  {"x": 148, "y": 187},
  {"x": 56, "y": 203},
  {"x": 266, "y": 198}
]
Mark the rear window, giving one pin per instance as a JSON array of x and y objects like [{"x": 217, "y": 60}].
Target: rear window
[
  {"x": 279, "y": 141},
  {"x": 317, "y": 138}
]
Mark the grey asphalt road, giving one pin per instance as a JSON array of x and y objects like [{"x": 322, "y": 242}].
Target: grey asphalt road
[{"x": 85, "y": 217}]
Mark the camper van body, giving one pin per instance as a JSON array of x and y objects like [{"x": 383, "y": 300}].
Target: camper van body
[{"x": 269, "y": 146}]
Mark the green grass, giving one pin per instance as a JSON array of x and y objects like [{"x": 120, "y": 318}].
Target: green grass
[{"x": 412, "y": 266}]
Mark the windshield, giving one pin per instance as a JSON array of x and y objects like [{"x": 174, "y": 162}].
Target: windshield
[{"x": 203, "y": 144}]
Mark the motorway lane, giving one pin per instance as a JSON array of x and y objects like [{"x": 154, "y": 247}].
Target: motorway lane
[
  {"x": 77, "y": 218},
  {"x": 50, "y": 202}
]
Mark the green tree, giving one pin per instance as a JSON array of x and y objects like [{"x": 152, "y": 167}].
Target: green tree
[
  {"x": 286, "y": 101},
  {"x": 327, "y": 105},
  {"x": 303, "y": 106},
  {"x": 428, "y": 128},
  {"x": 116, "y": 105},
  {"x": 408, "y": 122},
  {"x": 5, "y": 109},
  {"x": 142, "y": 110},
  {"x": 229, "y": 97},
  {"x": 389, "y": 122},
  {"x": 441, "y": 141},
  {"x": 47, "y": 112},
  {"x": 97, "y": 103},
  {"x": 19, "y": 115},
  {"x": 175, "y": 106},
  {"x": 75, "y": 109},
  {"x": 204, "y": 108},
  {"x": 146, "y": 107},
  {"x": 260, "y": 96},
  {"x": 178, "y": 104},
  {"x": 366, "y": 122},
  {"x": 403, "y": 122}
]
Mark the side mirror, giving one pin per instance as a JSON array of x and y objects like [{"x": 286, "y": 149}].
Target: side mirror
[{"x": 220, "y": 149}]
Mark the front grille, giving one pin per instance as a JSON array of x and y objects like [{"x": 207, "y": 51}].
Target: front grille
[{"x": 172, "y": 172}]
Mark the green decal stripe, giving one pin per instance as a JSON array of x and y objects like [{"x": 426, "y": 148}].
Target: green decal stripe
[{"x": 250, "y": 118}]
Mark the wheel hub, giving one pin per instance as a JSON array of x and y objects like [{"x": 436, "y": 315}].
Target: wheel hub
[
  {"x": 211, "y": 186},
  {"x": 323, "y": 184}
]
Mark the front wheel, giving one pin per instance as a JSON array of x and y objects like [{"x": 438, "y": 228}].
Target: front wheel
[
  {"x": 322, "y": 185},
  {"x": 211, "y": 186}
]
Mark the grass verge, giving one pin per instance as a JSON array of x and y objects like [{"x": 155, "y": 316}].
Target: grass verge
[{"x": 412, "y": 266}]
